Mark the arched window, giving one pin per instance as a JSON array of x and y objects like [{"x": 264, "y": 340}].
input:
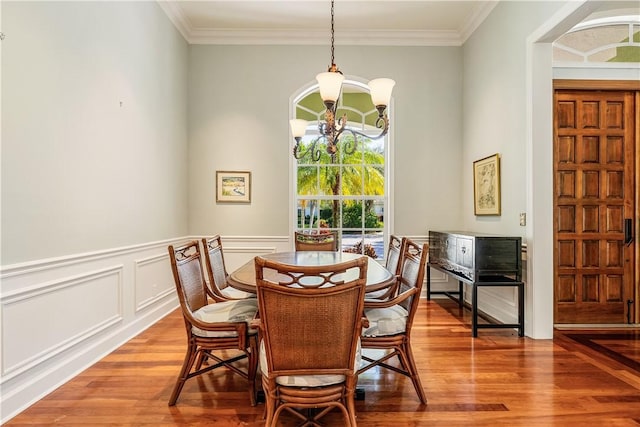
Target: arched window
[
  {"x": 347, "y": 192},
  {"x": 604, "y": 40}
]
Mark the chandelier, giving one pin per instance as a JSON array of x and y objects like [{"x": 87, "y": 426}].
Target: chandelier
[{"x": 330, "y": 84}]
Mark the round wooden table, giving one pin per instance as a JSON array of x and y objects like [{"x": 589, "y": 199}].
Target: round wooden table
[{"x": 244, "y": 278}]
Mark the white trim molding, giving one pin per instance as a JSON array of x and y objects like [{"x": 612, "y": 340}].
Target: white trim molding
[{"x": 61, "y": 315}]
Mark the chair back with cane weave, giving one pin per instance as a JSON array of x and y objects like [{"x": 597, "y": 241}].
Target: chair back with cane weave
[
  {"x": 219, "y": 288},
  {"x": 310, "y": 324},
  {"x": 390, "y": 320},
  {"x": 316, "y": 242},
  {"x": 216, "y": 331}
]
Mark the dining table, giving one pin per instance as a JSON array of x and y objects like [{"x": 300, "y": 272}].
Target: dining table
[{"x": 378, "y": 277}]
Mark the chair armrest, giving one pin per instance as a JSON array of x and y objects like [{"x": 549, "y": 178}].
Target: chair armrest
[
  {"x": 255, "y": 323},
  {"x": 365, "y": 322},
  {"x": 240, "y": 327},
  {"x": 390, "y": 302}
]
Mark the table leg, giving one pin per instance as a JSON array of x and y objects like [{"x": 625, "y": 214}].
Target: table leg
[
  {"x": 521, "y": 309},
  {"x": 474, "y": 309}
]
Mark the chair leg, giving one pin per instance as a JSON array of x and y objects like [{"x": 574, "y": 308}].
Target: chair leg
[
  {"x": 351, "y": 408},
  {"x": 189, "y": 359},
  {"x": 252, "y": 369},
  {"x": 269, "y": 404},
  {"x": 406, "y": 357}
]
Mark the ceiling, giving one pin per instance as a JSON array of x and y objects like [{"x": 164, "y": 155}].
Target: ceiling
[{"x": 359, "y": 22}]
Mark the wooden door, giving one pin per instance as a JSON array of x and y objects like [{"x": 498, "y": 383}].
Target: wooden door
[{"x": 594, "y": 193}]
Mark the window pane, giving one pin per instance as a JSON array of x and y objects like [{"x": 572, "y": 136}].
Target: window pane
[
  {"x": 307, "y": 213},
  {"x": 352, "y": 214},
  {"x": 374, "y": 244},
  {"x": 329, "y": 181},
  {"x": 351, "y": 180},
  {"x": 329, "y": 211},
  {"x": 374, "y": 180},
  {"x": 374, "y": 213},
  {"x": 562, "y": 55},
  {"x": 352, "y": 242},
  {"x": 373, "y": 152},
  {"x": 591, "y": 38},
  {"x": 308, "y": 180},
  {"x": 626, "y": 54}
]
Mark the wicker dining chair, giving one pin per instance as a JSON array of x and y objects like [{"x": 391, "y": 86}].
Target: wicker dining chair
[
  {"x": 211, "y": 326},
  {"x": 219, "y": 288},
  {"x": 395, "y": 252},
  {"x": 390, "y": 321},
  {"x": 316, "y": 242},
  {"x": 310, "y": 323}
]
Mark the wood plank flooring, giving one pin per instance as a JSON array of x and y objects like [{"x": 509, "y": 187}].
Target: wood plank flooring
[{"x": 497, "y": 379}]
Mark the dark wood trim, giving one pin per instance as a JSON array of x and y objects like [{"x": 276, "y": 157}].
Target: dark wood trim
[
  {"x": 596, "y": 84},
  {"x": 637, "y": 209}
]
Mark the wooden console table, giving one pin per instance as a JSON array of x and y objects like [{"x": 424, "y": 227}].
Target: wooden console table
[{"x": 478, "y": 260}]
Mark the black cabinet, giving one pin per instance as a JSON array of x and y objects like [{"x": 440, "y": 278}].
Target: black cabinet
[{"x": 479, "y": 260}]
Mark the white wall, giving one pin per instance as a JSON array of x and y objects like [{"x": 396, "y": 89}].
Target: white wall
[
  {"x": 495, "y": 108},
  {"x": 94, "y": 127},
  {"x": 94, "y": 180},
  {"x": 238, "y": 120},
  {"x": 495, "y": 121}
]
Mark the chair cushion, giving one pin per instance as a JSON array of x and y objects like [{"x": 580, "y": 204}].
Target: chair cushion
[
  {"x": 230, "y": 292},
  {"x": 228, "y": 311},
  {"x": 386, "y": 321},
  {"x": 306, "y": 380}
]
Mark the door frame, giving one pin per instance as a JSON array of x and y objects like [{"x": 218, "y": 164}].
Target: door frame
[{"x": 617, "y": 85}]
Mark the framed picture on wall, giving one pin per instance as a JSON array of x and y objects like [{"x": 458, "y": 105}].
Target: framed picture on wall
[
  {"x": 233, "y": 186},
  {"x": 486, "y": 185}
]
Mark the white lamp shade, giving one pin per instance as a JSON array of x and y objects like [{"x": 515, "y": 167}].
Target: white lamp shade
[
  {"x": 298, "y": 127},
  {"x": 330, "y": 85},
  {"x": 381, "y": 91}
]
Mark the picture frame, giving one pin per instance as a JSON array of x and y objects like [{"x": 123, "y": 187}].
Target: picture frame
[
  {"x": 486, "y": 185},
  {"x": 233, "y": 186}
]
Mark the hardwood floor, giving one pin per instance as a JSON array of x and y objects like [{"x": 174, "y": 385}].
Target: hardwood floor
[{"x": 495, "y": 379}]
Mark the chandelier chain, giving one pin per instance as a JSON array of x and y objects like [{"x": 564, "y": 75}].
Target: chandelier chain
[{"x": 332, "y": 37}]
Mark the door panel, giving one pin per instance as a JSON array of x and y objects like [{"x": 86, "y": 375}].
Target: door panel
[{"x": 594, "y": 191}]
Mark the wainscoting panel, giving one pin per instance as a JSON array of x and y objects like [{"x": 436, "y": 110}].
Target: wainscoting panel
[
  {"x": 52, "y": 318},
  {"x": 61, "y": 315},
  {"x": 151, "y": 284}
]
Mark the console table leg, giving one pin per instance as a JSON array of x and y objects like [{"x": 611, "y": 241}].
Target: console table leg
[
  {"x": 428, "y": 283},
  {"x": 474, "y": 308},
  {"x": 460, "y": 293},
  {"x": 521, "y": 309}
]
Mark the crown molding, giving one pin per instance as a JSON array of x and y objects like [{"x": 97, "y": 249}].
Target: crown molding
[
  {"x": 177, "y": 17},
  {"x": 476, "y": 19},
  {"x": 319, "y": 37},
  {"x": 306, "y": 37}
]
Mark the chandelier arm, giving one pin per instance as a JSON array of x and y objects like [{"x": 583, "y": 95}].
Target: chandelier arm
[
  {"x": 348, "y": 146},
  {"x": 383, "y": 130},
  {"x": 299, "y": 152}
]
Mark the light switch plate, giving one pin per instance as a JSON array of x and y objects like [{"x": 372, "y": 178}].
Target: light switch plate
[{"x": 523, "y": 219}]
